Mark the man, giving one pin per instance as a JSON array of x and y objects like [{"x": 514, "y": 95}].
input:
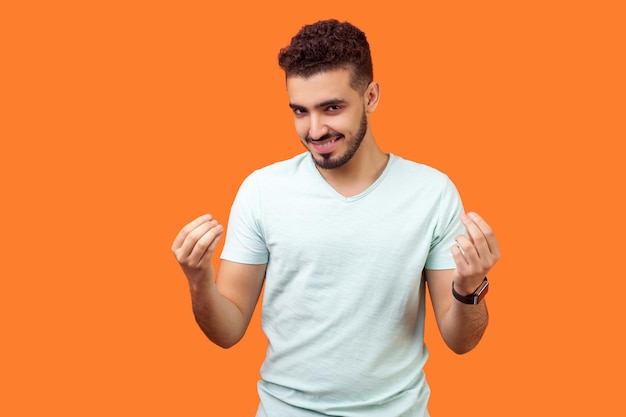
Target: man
[{"x": 345, "y": 238}]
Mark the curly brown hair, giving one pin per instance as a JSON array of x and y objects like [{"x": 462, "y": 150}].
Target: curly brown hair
[{"x": 328, "y": 45}]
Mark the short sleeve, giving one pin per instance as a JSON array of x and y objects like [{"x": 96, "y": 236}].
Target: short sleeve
[
  {"x": 447, "y": 228},
  {"x": 245, "y": 242}
]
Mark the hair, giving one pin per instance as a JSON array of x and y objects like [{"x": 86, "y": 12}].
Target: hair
[{"x": 329, "y": 45}]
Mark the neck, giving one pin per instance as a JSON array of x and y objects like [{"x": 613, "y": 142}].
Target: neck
[{"x": 367, "y": 164}]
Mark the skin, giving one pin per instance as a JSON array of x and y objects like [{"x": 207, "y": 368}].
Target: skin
[
  {"x": 326, "y": 104},
  {"x": 326, "y": 107}
]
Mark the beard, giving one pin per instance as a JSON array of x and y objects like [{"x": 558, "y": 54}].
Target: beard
[{"x": 327, "y": 161}]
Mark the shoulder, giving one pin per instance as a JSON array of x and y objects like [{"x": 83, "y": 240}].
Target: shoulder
[
  {"x": 417, "y": 173},
  {"x": 279, "y": 176},
  {"x": 281, "y": 169}
]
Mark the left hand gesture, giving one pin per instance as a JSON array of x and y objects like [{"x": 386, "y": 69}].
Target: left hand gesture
[{"x": 475, "y": 255}]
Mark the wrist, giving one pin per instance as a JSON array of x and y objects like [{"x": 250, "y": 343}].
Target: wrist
[
  {"x": 201, "y": 285},
  {"x": 473, "y": 297}
]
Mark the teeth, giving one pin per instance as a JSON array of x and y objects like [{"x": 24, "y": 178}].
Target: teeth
[{"x": 327, "y": 144}]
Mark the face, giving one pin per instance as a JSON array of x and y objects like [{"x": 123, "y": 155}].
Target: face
[{"x": 329, "y": 115}]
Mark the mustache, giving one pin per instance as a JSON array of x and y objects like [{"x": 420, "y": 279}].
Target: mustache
[{"x": 324, "y": 137}]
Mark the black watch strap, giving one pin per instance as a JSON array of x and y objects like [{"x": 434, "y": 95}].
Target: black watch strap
[{"x": 476, "y": 296}]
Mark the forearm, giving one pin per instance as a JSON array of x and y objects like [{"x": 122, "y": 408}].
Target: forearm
[
  {"x": 223, "y": 314},
  {"x": 219, "y": 318},
  {"x": 463, "y": 325}
]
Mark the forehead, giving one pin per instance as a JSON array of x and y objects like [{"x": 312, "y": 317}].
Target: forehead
[{"x": 320, "y": 87}]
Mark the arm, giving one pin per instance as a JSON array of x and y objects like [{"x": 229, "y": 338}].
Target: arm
[
  {"x": 222, "y": 309},
  {"x": 462, "y": 325}
]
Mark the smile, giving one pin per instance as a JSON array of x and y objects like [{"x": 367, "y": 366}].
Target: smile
[{"x": 325, "y": 145}]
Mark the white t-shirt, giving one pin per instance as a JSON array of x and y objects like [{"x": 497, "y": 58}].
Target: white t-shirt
[{"x": 343, "y": 305}]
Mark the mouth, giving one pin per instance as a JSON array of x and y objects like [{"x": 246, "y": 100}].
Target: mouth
[{"x": 326, "y": 145}]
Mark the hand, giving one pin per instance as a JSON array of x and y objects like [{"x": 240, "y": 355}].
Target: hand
[
  {"x": 477, "y": 254},
  {"x": 194, "y": 247}
]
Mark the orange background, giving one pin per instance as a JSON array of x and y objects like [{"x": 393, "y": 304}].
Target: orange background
[{"x": 122, "y": 121}]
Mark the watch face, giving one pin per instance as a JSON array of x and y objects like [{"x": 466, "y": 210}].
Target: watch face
[
  {"x": 482, "y": 290},
  {"x": 476, "y": 296}
]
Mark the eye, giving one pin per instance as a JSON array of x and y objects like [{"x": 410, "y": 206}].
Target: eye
[
  {"x": 299, "y": 111},
  {"x": 334, "y": 108}
]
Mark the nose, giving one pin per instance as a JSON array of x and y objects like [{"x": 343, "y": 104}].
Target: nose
[{"x": 317, "y": 127}]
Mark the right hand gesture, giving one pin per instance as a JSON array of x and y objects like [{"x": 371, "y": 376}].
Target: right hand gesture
[{"x": 194, "y": 247}]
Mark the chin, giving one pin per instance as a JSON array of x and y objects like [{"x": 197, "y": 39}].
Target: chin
[{"x": 327, "y": 161}]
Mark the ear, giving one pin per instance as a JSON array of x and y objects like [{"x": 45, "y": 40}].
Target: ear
[{"x": 372, "y": 96}]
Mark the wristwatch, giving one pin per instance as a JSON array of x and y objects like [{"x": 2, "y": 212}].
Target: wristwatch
[{"x": 476, "y": 296}]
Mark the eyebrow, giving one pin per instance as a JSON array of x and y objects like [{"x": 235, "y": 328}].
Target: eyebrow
[{"x": 326, "y": 103}]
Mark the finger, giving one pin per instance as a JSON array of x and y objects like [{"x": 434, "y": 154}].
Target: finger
[
  {"x": 182, "y": 235},
  {"x": 476, "y": 234},
  {"x": 206, "y": 244},
  {"x": 462, "y": 267},
  {"x": 186, "y": 247},
  {"x": 192, "y": 239},
  {"x": 488, "y": 233},
  {"x": 459, "y": 259},
  {"x": 468, "y": 252}
]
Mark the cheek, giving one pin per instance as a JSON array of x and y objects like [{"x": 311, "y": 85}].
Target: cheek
[
  {"x": 302, "y": 127},
  {"x": 343, "y": 124}
]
